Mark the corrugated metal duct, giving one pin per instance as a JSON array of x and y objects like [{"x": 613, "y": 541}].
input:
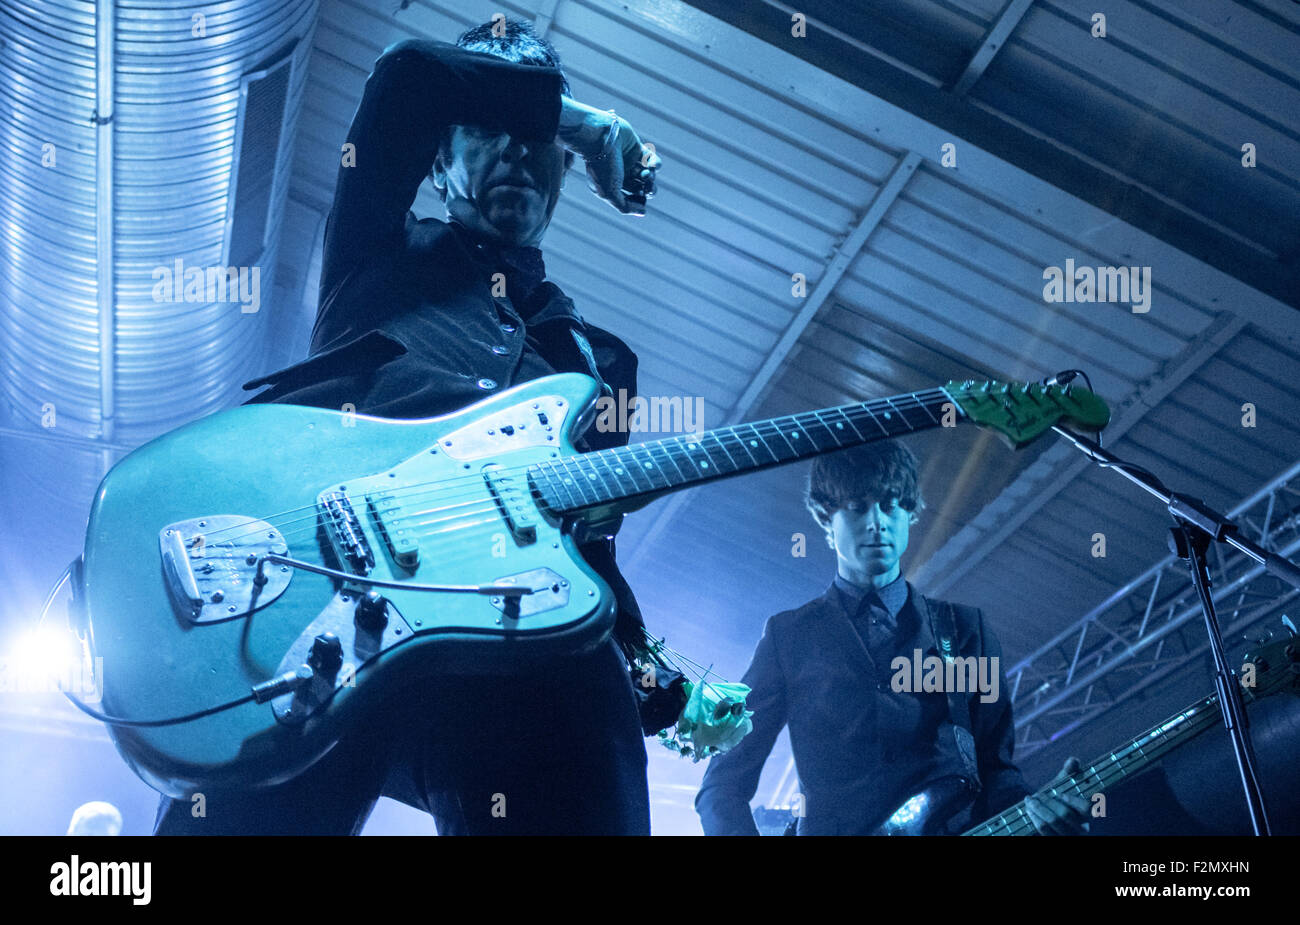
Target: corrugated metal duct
[{"x": 122, "y": 129}]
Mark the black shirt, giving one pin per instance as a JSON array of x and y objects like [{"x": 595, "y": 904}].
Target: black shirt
[{"x": 409, "y": 325}]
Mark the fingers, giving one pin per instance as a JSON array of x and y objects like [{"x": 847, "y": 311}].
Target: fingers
[{"x": 1061, "y": 815}]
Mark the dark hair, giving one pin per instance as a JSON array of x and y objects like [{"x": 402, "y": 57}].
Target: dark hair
[
  {"x": 871, "y": 471},
  {"x": 518, "y": 44}
]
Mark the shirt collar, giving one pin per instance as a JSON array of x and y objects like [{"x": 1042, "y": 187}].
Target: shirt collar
[
  {"x": 891, "y": 597},
  {"x": 524, "y": 267}
]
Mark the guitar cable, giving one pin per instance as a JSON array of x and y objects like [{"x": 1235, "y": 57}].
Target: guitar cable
[{"x": 144, "y": 723}]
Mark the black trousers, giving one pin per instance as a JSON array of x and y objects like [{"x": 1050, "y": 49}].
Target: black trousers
[{"x": 553, "y": 754}]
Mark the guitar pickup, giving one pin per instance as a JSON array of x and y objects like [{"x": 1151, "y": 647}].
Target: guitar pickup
[
  {"x": 514, "y": 498},
  {"x": 403, "y": 544}
]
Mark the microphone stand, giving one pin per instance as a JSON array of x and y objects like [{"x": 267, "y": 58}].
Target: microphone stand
[{"x": 1195, "y": 525}]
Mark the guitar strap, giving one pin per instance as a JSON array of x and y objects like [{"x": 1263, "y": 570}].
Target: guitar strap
[{"x": 943, "y": 628}]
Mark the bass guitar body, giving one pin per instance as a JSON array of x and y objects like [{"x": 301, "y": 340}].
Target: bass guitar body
[{"x": 218, "y": 559}]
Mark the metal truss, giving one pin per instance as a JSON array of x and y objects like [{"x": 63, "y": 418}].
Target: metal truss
[{"x": 1150, "y": 627}]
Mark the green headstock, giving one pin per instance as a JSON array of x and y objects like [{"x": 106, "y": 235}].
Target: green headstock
[{"x": 1022, "y": 411}]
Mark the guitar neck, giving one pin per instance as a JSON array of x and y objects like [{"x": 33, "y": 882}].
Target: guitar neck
[
  {"x": 636, "y": 472},
  {"x": 1134, "y": 758}
]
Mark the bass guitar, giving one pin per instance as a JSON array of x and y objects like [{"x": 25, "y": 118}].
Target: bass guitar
[{"x": 1273, "y": 669}]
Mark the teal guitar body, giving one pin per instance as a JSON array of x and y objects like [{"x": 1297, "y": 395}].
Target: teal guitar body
[{"x": 183, "y": 626}]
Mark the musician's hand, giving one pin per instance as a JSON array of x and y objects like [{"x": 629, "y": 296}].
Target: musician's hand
[
  {"x": 1064, "y": 814},
  {"x": 623, "y": 171}
]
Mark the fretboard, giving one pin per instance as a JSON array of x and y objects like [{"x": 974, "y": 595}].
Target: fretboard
[
  {"x": 1103, "y": 774},
  {"x": 572, "y": 483}
]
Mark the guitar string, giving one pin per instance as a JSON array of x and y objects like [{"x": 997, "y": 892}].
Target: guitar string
[
  {"x": 762, "y": 429},
  {"x": 1160, "y": 747},
  {"x": 667, "y": 445}
]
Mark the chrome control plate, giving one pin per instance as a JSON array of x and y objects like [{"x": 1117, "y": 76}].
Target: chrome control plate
[{"x": 209, "y": 564}]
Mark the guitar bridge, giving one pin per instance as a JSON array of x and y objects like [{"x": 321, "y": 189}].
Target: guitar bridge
[{"x": 344, "y": 530}]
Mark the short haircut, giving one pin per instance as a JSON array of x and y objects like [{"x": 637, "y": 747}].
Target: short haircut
[
  {"x": 872, "y": 471},
  {"x": 518, "y": 44}
]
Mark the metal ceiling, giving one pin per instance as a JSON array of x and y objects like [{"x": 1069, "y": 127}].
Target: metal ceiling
[{"x": 823, "y": 156}]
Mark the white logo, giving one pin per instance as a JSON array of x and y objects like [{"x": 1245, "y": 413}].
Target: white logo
[
  {"x": 960, "y": 675},
  {"x": 1099, "y": 284},
  {"x": 179, "y": 283},
  {"x": 106, "y": 878}
]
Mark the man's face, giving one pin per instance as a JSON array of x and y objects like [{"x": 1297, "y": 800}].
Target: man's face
[
  {"x": 503, "y": 187},
  {"x": 870, "y": 536}
]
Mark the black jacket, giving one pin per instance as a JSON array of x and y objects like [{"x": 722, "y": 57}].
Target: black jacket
[
  {"x": 810, "y": 672},
  {"x": 408, "y": 326}
]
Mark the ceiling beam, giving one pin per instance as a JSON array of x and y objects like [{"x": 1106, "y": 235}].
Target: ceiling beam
[
  {"x": 1052, "y": 472},
  {"x": 838, "y": 264},
  {"x": 1085, "y": 179},
  {"x": 994, "y": 39}
]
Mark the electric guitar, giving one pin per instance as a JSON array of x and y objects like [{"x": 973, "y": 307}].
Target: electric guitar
[
  {"x": 260, "y": 579},
  {"x": 1276, "y": 668}
]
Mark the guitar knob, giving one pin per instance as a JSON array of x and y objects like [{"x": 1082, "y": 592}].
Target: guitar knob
[
  {"x": 326, "y": 655},
  {"x": 372, "y": 610}
]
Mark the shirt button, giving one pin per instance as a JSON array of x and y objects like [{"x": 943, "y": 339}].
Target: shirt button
[
  {"x": 500, "y": 350},
  {"x": 508, "y": 327},
  {"x": 487, "y": 384}
]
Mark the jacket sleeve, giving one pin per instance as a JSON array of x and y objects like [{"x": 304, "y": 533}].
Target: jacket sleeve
[
  {"x": 732, "y": 778},
  {"x": 417, "y": 89},
  {"x": 995, "y": 737}
]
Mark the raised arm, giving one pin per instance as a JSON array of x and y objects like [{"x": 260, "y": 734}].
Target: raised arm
[
  {"x": 732, "y": 778},
  {"x": 417, "y": 89}
]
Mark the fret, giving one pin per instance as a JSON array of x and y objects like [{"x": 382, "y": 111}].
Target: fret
[
  {"x": 731, "y": 431},
  {"x": 875, "y": 420},
  {"x": 719, "y": 442},
  {"x": 575, "y": 483},
  {"x": 618, "y": 490},
  {"x": 757, "y": 441},
  {"x": 826, "y": 427},
  {"x": 558, "y": 481},
  {"x": 663, "y": 450},
  {"x": 775, "y": 425},
  {"x": 790, "y": 435},
  {"x": 702, "y": 467},
  {"x": 895, "y": 411},
  {"x": 849, "y": 421},
  {"x": 653, "y": 467},
  {"x": 593, "y": 479},
  {"x": 925, "y": 406},
  {"x": 629, "y": 469},
  {"x": 649, "y": 468}
]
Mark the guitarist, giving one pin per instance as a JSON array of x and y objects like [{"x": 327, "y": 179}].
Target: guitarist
[
  {"x": 861, "y": 746},
  {"x": 420, "y": 318}
]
